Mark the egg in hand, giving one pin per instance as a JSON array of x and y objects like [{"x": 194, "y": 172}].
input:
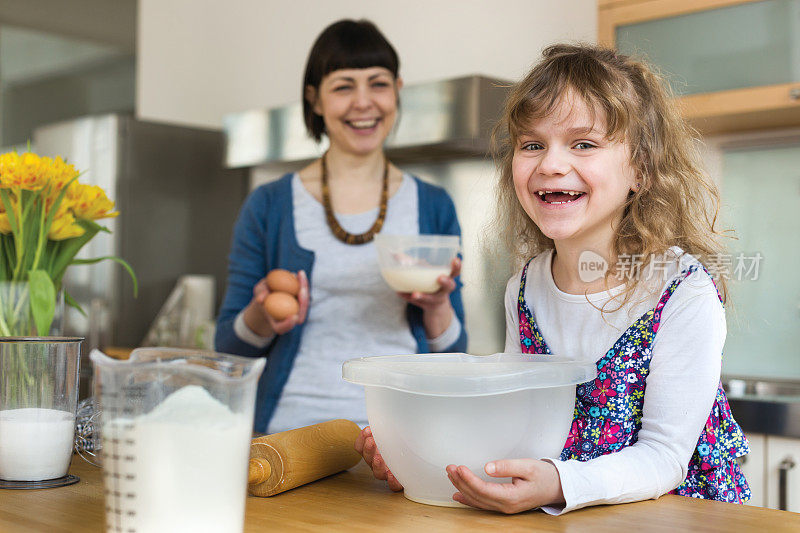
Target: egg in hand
[
  {"x": 281, "y": 305},
  {"x": 281, "y": 302},
  {"x": 280, "y": 280}
]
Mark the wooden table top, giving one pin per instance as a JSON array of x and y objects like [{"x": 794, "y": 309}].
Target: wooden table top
[{"x": 354, "y": 501}]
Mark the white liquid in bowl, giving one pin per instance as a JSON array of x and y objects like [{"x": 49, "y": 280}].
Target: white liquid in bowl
[{"x": 414, "y": 279}]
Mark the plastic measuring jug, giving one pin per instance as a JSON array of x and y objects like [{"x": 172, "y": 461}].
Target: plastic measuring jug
[{"x": 175, "y": 426}]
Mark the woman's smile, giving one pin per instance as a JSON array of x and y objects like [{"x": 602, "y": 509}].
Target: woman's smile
[{"x": 364, "y": 126}]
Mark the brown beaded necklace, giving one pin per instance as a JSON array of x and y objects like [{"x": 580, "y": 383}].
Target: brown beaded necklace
[{"x": 337, "y": 230}]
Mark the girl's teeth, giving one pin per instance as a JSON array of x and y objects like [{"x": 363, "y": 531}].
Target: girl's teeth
[{"x": 572, "y": 195}]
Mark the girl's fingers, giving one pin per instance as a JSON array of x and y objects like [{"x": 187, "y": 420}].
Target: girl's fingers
[
  {"x": 376, "y": 462},
  {"x": 510, "y": 468},
  {"x": 393, "y": 483},
  {"x": 460, "y": 497},
  {"x": 456, "y": 477},
  {"x": 465, "y": 494},
  {"x": 483, "y": 489},
  {"x": 365, "y": 445},
  {"x": 369, "y": 450},
  {"x": 379, "y": 468},
  {"x": 497, "y": 496},
  {"x": 361, "y": 440},
  {"x": 359, "y": 444}
]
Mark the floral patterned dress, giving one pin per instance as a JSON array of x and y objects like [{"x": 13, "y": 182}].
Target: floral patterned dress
[{"x": 608, "y": 409}]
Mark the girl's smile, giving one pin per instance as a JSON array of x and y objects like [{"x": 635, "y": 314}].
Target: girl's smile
[{"x": 554, "y": 199}]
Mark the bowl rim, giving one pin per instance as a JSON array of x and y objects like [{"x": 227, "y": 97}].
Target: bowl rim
[{"x": 508, "y": 373}]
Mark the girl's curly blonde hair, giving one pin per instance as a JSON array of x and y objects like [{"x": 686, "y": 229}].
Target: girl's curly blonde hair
[{"x": 676, "y": 204}]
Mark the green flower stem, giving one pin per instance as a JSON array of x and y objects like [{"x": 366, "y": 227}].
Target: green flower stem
[
  {"x": 20, "y": 303},
  {"x": 4, "y": 329},
  {"x": 18, "y": 243},
  {"x": 41, "y": 241}
]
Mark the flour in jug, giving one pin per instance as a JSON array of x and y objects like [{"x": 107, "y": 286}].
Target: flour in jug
[{"x": 180, "y": 467}]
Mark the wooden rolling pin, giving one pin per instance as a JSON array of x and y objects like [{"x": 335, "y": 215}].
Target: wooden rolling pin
[{"x": 286, "y": 460}]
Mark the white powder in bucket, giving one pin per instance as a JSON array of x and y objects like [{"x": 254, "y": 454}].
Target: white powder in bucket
[
  {"x": 180, "y": 467},
  {"x": 35, "y": 443}
]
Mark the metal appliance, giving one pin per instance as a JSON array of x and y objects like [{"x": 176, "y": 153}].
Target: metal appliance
[{"x": 177, "y": 208}]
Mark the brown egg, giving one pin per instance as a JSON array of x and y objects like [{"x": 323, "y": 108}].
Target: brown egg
[
  {"x": 280, "y": 280},
  {"x": 280, "y": 305}
]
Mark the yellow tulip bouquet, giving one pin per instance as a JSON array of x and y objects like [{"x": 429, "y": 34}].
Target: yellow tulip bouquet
[{"x": 46, "y": 217}]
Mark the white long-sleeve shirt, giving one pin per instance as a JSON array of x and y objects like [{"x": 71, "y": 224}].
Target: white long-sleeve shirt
[{"x": 681, "y": 386}]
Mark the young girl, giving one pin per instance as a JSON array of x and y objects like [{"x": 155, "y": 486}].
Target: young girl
[{"x": 597, "y": 169}]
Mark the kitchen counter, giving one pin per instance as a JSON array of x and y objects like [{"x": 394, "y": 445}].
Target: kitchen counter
[{"x": 355, "y": 501}]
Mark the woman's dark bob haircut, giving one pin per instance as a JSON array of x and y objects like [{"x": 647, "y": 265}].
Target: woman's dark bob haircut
[{"x": 344, "y": 44}]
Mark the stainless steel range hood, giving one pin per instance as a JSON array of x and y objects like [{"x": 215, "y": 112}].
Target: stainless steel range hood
[{"x": 443, "y": 119}]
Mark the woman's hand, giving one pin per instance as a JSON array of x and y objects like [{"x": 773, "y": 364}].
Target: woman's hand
[
  {"x": 437, "y": 312},
  {"x": 534, "y": 483},
  {"x": 365, "y": 445},
  {"x": 261, "y": 323}
]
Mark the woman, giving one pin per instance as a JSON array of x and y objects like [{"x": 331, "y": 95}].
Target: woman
[{"x": 320, "y": 222}]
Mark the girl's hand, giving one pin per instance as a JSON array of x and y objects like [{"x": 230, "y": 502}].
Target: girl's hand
[
  {"x": 534, "y": 483},
  {"x": 437, "y": 312},
  {"x": 365, "y": 445},
  {"x": 261, "y": 323}
]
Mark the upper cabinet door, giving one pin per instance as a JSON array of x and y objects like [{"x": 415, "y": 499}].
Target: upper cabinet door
[
  {"x": 734, "y": 63},
  {"x": 761, "y": 203}
]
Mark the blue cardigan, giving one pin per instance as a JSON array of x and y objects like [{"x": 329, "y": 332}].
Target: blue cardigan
[{"x": 264, "y": 239}]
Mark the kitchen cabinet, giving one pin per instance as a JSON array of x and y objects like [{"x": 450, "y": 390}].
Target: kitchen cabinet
[
  {"x": 772, "y": 469},
  {"x": 734, "y": 64},
  {"x": 762, "y": 315},
  {"x": 783, "y": 473},
  {"x": 754, "y": 467}
]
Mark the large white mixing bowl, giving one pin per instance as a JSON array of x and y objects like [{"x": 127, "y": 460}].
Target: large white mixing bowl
[{"x": 429, "y": 411}]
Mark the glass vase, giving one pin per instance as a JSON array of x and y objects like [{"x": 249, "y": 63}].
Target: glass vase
[{"x": 16, "y": 318}]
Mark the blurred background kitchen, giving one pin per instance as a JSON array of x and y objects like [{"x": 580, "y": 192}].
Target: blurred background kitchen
[{"x": 179, "y": 107}]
